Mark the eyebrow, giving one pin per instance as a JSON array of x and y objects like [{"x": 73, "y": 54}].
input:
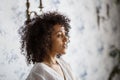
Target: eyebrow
[{"x": 59, "y": 31}]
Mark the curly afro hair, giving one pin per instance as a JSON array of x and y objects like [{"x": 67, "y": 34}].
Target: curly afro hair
[{"x": 36, "y": 35}]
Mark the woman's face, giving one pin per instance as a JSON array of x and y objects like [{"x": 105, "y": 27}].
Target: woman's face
[{"x": 59, "y": 39}]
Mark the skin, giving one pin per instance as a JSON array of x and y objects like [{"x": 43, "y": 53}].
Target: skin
[
  {"x": 59, "y": 45},
  {"x": 59, "y": 40}
]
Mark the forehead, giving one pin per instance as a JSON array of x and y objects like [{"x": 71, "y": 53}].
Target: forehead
[{"x": 58, "y": 27}]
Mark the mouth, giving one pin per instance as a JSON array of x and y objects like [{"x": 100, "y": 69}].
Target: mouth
[{"x": 65, "y": 46}]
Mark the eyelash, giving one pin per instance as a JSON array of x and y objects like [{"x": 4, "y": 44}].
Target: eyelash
[{"x": 59, "y": 35}]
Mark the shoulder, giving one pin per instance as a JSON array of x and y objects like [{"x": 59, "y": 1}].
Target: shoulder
[
  {"x": 36, "y": 72},
  {"x": 38, "y": 68}
]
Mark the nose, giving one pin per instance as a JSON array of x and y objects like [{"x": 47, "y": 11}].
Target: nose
[{"x": 65, "y": 39}]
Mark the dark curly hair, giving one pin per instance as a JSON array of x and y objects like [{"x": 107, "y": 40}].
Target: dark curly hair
[{"x": 36, "y": 35}]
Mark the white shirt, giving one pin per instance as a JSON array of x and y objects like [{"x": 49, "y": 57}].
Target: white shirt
[{"x": 41, "y": 71}]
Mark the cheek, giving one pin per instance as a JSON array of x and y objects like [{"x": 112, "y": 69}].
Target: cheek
[
  {"x": 58, "y": 48},
  {"x": 57, "y": 45}
]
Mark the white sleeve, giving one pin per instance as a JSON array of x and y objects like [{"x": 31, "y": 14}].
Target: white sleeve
[{"x": 35, "y": 76}]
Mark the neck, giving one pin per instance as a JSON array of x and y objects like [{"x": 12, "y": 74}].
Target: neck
[{"x": 51, "y": 61}]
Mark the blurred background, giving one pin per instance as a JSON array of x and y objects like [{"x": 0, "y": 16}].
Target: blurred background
[{"x": 94, "y": 34}]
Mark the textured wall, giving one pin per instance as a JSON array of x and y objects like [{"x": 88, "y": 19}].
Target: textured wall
[{"x": 95, "y": 28}]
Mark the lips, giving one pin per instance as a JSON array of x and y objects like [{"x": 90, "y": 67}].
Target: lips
[{"x": 65, "y": 46}]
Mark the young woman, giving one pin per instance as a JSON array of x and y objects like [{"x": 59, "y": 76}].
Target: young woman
[{"x": 44, "y": 41}]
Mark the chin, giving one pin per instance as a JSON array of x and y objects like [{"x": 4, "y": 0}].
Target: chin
[{"x": 63, "y": 52}]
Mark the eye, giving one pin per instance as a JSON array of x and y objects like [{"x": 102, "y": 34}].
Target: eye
[
  {"x": 62, "y": 34},
  {"x": 59, "y": 35}
]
